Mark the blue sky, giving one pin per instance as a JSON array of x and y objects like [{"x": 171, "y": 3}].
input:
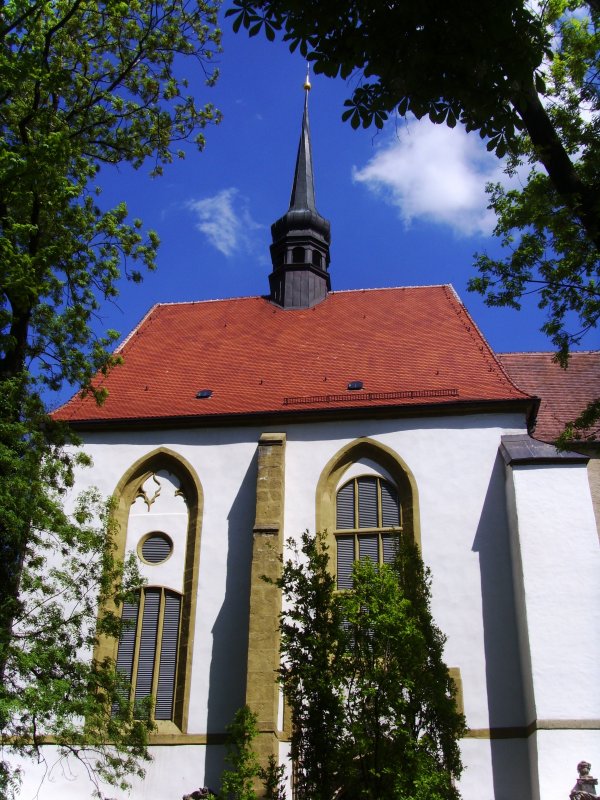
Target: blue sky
[{"x": 407, "y": 205}]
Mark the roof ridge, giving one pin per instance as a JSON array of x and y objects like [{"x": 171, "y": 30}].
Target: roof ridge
[
  {"x": 336, "y": 291},
  {"x": 394, "y": 288},
  {"x": 266, "y": 298},
  {"x": 547, "y": 353},
  {"x": 210, "y": 300}
]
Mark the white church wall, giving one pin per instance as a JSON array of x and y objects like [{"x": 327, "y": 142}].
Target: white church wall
[
  {"x": 465, "y": 542},
  {"x": 463, "y": 521},
  {"x": 497, "y": 769},
  {"x": 160, "y": 510},
  {"x": 557, "y": 564},
  {"x": 558, "y": 543},
  {"x": 224, "y": 462},
  {"x": 172, "y": 772}
]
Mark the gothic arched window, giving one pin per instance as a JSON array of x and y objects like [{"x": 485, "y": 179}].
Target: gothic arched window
[
  {"x": 368, "y": 521},
  {"x": 159, "y": 518}
]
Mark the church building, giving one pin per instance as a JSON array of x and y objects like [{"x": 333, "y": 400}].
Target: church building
[{"x": 233, "y": 425}]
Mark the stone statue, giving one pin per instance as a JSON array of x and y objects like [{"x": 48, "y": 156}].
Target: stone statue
[
  {"x": 585, "y": 787},
  {"x": 199, "y": 794}
]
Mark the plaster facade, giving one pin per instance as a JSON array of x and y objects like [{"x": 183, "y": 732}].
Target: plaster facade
[{"x": 513, "y": 552}]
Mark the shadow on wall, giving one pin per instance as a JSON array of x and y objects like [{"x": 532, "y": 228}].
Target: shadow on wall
[
  {"x": 228, "y": 665},
  {"x": 504, "y": 681}
]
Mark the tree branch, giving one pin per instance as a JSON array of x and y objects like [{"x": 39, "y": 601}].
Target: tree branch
[{"x": 578, "y": 196}]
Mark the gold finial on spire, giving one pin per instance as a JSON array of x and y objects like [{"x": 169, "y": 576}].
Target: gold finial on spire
[{"x": 307, "y": 81}]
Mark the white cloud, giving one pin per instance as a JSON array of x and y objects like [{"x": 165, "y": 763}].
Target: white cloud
[
  {"x": 225, "y": 221},
  {"x": 436, "y": 174}
]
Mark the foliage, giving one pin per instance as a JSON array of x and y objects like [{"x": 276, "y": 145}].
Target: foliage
[
  {"x": 237, "y": 783},
  {"x": 313, "y": 646},
  {"x": 584, "y": 429},
  {"x": 412, "y": 57},
  {"x": 84, "y": 85},
  {"x": 550, "y": 251},
  {"x": 272, "y": 777},
  {"x": 525, "y": 76},
  {"x": 52, "y": 689},
  {"x": 478, "y": 63},
  {"x": 372, "y": 704}
]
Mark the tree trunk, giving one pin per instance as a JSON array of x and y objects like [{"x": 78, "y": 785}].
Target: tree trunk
[
  {"x": 12, "y": 363},
  {"x": 578, "y": 196}
]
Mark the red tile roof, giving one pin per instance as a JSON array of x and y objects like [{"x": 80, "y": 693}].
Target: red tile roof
[
  {"x": 564, "y": 392},
  {"x": 409, "y": 346}
]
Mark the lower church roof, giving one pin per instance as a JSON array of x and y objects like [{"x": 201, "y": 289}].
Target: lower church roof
[
  {"x": 564, "y": 392},
  {"x": 364, "y": 349}
]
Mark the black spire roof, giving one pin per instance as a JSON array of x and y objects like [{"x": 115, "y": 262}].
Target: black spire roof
[
  {"x": 301, "y": 237},
  {"x": 303, "y": 190}
]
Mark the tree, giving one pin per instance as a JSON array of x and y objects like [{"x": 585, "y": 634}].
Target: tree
[
  {"x": 372, "y": 704},
  {"x": 53, "y": 690},
  {"x": 550, "y": 252},
  {"x": 525, "y": 76},
  {"x": 473, "y": 62},
  {"x": 313, "y": 645},
  {"x": 238, "y": 781},
  {"x": 83, "y": 85}
]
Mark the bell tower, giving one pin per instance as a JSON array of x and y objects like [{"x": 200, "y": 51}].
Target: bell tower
[{"x": 301, "y": 237}]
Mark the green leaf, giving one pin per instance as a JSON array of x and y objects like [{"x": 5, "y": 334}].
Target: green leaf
[
  {"x": 237, "y": 23},
  {"x": 540, "y": 83}
]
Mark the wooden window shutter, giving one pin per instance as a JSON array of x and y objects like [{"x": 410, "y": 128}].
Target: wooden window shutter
[
  {"x": 390, "y": 509},
  {"x": 345, "y": 560},
  {"x": 345, "y": 507},
  {"x": 157, "y": 548},
  {"x": 165, "y": 690},
  {"x": 147, "y": 651},
  {"x": 390, "y": 547},
  {"x": 368, "y": 547},
  {"x": 127, "y": 639},
  {"x": 367, "y": 503},
  {"x": 126, "y": 650}
]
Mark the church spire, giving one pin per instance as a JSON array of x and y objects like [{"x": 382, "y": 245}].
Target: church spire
[
  {"x": 300, "y": 249},
  {"x": 303, "y": 189}
]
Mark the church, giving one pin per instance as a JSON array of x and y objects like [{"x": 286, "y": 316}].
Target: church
[{"x": 233, "y": 425}]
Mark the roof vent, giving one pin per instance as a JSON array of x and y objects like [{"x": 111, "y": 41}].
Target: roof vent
[
  {"x": 204, "y": 394},
  {"x": 353, "y": 386}
]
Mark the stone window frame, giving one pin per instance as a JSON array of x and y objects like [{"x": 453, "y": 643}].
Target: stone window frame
[
  {"x": 123, "y": 497},
  {"x": 331, "y": 479}
]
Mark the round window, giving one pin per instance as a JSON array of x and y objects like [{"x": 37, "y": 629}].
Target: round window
[{"x": 156, "y": 548}]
